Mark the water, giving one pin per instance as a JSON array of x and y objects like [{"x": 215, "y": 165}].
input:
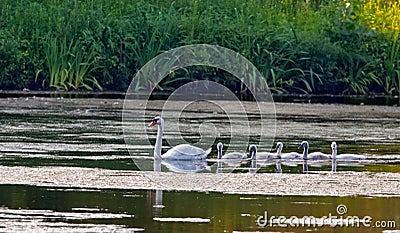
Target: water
[
  {"x": 122, "y": 210},
  {"x": 344, "y": 99},
  {"x": 87, "y": 133},
  {"x": 45, "y": 131}
]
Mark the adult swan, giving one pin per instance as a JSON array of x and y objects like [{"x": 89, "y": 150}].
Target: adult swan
[{"x": 179, "y": 152}]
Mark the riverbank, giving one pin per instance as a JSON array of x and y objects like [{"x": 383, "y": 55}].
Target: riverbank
[
  {"x": 312, "y": 184},
  {"x": 387, "y": 100}
]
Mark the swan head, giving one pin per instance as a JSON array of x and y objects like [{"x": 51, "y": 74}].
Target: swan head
[
  {"x": 279, "y": 146},
  {"x": 334, "y": 146},
  {"x": 253, "y": 151},
  {"x": 219, "y": 149},
  {"x": 334, "y": 149},
  {"x": 220, "y": 146},
  {"x": 304, "y": 145},
  {"x": 157, "y": 120}
]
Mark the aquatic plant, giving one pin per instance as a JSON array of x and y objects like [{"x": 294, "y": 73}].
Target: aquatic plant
[{"x": 69, "y": 65}]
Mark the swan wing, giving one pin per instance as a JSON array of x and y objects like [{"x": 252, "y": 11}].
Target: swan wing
[
  {"x": 234, "y": 156},
  {"x": 291, "y": 155},
  {"x": 350, "y": 157},
  {"x": 185, "y": 166},
  {"x": 319, "y": 156},
  {"x": 186, "y": 152},
  {"x": 266, "y": 155}
]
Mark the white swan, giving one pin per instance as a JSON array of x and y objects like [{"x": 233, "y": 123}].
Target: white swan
[
  {"x": 254, "y": 155},
  {"x": 284, "y": 156},
  {"x": 314, "y": 155},
  {"x": 344, "y": 156},
  {"x": 231, "y": 155},
  {"x": 261, "y": 155},
  {"x": 179, "y": 152}
]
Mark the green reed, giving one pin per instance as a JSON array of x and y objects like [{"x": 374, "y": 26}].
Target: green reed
[
  {"x": 314, "y": 46},
  {"x": 69, "y": 65}
]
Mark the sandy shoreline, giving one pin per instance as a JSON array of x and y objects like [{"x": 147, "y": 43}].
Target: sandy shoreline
[{"x": 313, "y": 184}]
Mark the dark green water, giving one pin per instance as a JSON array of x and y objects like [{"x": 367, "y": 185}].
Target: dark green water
[
  {"x": 219, "y": 212},
  {"x": 87, "y": 133}
]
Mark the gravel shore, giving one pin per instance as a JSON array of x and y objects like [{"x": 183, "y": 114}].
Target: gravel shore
[{"x": 314, "y": 184}]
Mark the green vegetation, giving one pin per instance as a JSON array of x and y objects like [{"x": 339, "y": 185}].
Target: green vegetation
[
  {"x": 311, "y": 46},
  {"x": 68, "y": 64}
]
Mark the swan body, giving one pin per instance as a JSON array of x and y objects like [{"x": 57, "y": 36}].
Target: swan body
[
  {"x": 318, "y": 156},
  {"x": 314, "y": 155},
  {"x": 266, "y": 156},
  {"x": 185, "y": 166},
  {"x": 231, "y": 155},
  {"x": 284, "y": 156},
  {"x": 185, "y": 152},
  {"x": 344, "y": 157},
  {"x": 261, "y": 155},
  {"x": 179, "y": 152},
  {"x": 290, "y": 155}
]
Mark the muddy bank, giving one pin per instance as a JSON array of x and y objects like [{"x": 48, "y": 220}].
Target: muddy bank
[{"x": 316, "y": 184}]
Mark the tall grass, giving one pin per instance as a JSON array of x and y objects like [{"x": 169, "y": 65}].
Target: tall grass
[
  {"x": 69, "y": 66},
  {"x": 313, "y": 46}
]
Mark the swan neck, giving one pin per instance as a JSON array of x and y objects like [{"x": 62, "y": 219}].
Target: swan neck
[
  {"x": 157, "y": 148},
  {"x": 305, "y": 152},
  {"x": 279, "y": 153},
  {"x": 334, "y": 165},
  {"x": 219, "y": 153},
  {"x": 253, "y": 157},
  {"x": 334, "y": 153}
]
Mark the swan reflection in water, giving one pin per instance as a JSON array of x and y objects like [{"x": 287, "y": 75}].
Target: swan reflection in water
[
  {"x": 185, "y": 166},
  {"x": 155, "y": 197},
  {"x": 155, "y": 202}
]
